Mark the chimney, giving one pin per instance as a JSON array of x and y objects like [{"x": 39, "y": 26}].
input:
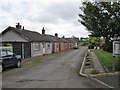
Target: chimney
[
  {"x": 23, "y": 27},
  {"x": 43, "y": 31},
  {"x": 56, "y": 34},
  {"x": 63, "y": 37},
  {"x": 18, "y": 26}
]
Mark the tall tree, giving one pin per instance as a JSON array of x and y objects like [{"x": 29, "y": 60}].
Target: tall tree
[{"x": 101, "y": 19}]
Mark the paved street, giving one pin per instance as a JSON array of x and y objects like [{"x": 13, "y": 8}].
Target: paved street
[{"x": 60, "y": 71}]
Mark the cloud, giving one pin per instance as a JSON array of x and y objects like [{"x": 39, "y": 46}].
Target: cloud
[{"x": 57, "y": 16}]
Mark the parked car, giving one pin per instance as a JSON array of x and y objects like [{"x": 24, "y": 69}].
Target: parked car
[
  {"x": 8, "y": 58},
  {"x": 75, "y": 46}
]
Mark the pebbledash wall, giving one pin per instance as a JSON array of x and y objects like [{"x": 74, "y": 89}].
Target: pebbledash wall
[
  {"x": 36, "y": 52},
  {"x": 40, "y": 51}
]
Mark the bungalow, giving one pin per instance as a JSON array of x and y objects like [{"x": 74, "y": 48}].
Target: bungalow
[
  {"x": 72, "y": 42},
  {"x": 66, "y": 43},
  {"x": 76, "y": 41},
  {"x": 59, "y": 44},
  {"x": 26, "y": 43},
  {"x": 30, "y": 43},
  {"x": 54, "y": 42}
]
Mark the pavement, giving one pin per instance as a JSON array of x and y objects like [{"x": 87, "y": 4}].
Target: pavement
[
  {"x": 96, "y": 63},
  {"x": 56, "y": 71},
  {"x": 110, "y": 80}
]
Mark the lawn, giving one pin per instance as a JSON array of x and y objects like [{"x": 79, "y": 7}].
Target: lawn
[
  {"x": 107, "y": 59},
  {"x": 82, "y": 43}
]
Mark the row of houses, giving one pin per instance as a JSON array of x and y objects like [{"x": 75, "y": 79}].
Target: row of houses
[{"x": 29, "y": 43}]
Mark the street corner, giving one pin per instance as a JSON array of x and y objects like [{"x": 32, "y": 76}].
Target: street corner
[
  {"x": 93, "y": 69},
  {"x": 91, "y": 65}
]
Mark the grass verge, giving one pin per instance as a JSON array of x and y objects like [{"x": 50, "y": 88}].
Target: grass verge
[
  {"x": 38, "y": 61},
  {"x": 107, "y": 59},
  {"x": 83, "y": 43}
]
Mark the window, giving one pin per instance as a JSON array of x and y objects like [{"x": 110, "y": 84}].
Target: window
[
  {"x": 10, "y": 53},
  {"x": 57, "y": 46},
  {"x": 37, "y": 46},
  {"x": 3, "y": 53},
  {"x": 48, "y": 45}
]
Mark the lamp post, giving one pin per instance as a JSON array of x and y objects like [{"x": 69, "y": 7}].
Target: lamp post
[{"x": 116, "y": 50}]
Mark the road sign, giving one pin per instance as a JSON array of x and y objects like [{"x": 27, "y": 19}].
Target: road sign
[{"x": 116, "y": 48}]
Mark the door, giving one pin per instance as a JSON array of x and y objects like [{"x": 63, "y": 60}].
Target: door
[
  {"x": 59, "y": 46},
  {"x": 17, "y": 48},
  {"x": 27, "y": 50},
  {"x": 43, "y": 48}
]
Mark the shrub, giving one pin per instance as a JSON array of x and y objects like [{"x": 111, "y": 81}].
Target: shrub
[{"x": 90, "y": 46}]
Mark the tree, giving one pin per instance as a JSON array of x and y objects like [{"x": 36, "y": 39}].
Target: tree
[
  {"x": 95, "y": 41},
  {"x": 101, "y": 19}
]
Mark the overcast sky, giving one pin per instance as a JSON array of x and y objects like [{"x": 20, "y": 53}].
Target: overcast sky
[{"x": 56, "y": 16}]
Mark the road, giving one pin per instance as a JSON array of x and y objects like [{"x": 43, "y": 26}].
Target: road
[{"x": 60, "y": 71}]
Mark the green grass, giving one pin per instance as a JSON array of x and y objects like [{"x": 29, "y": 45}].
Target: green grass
[
  {"x": 38, "y": 61},
  {"x": 107, "y": 59},
  {"x": 81, "y": 43}
]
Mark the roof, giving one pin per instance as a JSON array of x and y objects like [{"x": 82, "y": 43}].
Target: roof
[
  {"x": 76, "y": 40},
  {"x": 30, "y": 35},
  {"x": 35, "y": 36},
  {"x": 64, "y": 40},
  {"x": 55, "y": 39},
  {"x": 70, "y": 40},
  {"x": 52, "y": 38}
]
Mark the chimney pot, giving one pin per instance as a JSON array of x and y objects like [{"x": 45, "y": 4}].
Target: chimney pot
[
  {"x": 18, "y": 26},
  {"x": 56, "y": 34},
  {"x": 23, "y": 27},
  {"x": 43, "y": 31}
]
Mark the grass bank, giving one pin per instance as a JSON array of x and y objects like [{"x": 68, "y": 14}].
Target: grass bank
[
  {"x": 107, "y": 59},
  {"x": 83, "y": 43}
]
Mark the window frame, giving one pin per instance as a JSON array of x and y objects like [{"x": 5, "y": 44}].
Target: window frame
[
  {"x": 48, "y": 46},
  {"x": 36, "y": 46}
]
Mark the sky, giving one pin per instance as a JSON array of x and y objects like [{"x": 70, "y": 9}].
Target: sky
[{"x": 56, "y": 16}]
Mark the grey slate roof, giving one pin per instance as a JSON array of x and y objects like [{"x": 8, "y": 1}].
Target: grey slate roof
[
  {"x": 35, "y": 36},
  {"x": 70, "y": 40},
  {"x": 52, "y": 38},
  {"x": 64, "y": 40},
  {"x": 56, "y": 39},
  {"x": 30, "y": 35},
  {"x": 76, "y": 40}
]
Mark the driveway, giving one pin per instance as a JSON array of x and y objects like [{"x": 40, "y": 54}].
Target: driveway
[{"x": 60, "y": 71}]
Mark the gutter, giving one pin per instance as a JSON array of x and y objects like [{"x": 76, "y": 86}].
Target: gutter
[{"x": 83, "y": 63}]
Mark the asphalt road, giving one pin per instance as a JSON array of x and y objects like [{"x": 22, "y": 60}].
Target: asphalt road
[{"x": 60, "y": 71}]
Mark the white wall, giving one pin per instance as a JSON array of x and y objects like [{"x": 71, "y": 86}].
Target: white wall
[
  {"x": 55, "y": 47},
  {"x": 47, "y": 49},
  {"x": 36, "y": 52},
  {"x": 12, "y": 36}
]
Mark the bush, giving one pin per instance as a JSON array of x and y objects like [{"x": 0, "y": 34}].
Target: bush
[{"x": 90, "y": 46}]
